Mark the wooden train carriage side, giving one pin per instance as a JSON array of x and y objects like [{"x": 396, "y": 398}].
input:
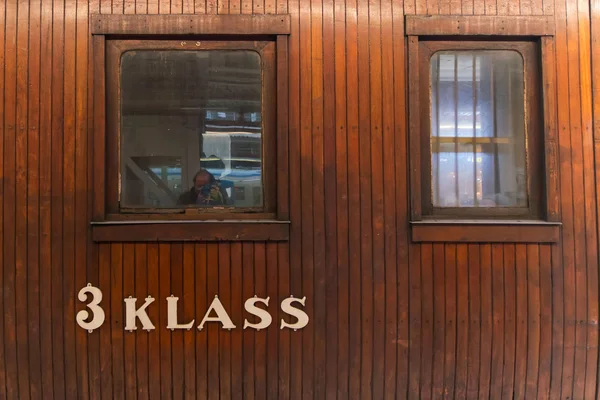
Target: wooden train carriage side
[{"x": 400, "y": 304}]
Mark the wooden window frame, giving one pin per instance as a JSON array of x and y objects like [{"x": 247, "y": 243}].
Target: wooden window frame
[
  {"x": 469, "y": 225},
  {"x": 114, "y": 34}
]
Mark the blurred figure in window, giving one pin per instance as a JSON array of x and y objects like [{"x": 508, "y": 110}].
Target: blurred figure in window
[{"x": 206, "y": 191}]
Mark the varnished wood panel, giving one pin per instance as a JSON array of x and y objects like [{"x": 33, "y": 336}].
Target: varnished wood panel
[{"x": 390, "y": 318}]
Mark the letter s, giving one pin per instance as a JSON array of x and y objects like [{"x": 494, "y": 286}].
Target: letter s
[
  {"x": 286, "y": 306},
  {"x": 97, "y": 311},
  {"x": 265, "y": 317}
]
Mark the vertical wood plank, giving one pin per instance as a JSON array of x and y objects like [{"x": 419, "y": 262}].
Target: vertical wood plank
[
  {"x": 508, "y": 372},
  {"x": 295, "y": 193},
  {"x": 306, "y": 191},
  {"x": 490, "y": 7},
  {"x": 497, "y": 320},
  {"x": 129, "y": 6},
  {"x": 153, "y": 6},
  {"x": 341, "y": 179},
  {"x": 246, "y": 6},
  {"x": 475, "y": 318},
  {"x": 421, "y": 318},
  {"x": 177, "y": 356},
  {"x": 533, "y": 321},
  {"x": 142, "y": 290},
  {"x": 223, "y": 6},
  {"x": 486, "y": 320},
  {"x": 249, "y": 334},
  {"x": 377, "y": 201},
  {"x": 260, "y": 343},
  {"x": 272, "y": 345},
  {"x": 187, "y": 7},
  {"x": 283, "y": 369},
  {"x": 426, "y": 335},
  {"x": 467, "y": 7},
  {"x": 224, "y": 290},
  {"x": 514, "y": 7},
  {"x": 270, "y": 6},
  {"x": 557, "y": 323},
  {"x": 318, "y": 330},
  {"x": 68, "y": 183},
  {"x": 20, "y": 206},
  {"x": 237, "y": 314},
  {"x": 104, "y": 281},
  {"x": 463, "y": 334},
  {"x": 212, "y": 285},
  {"x": 33, "y": 206},
  {"x": 545, "y": 322},
  {"x": 451, "y": 322},
  {"x": 354, "y": 252},
  {"x": 84, "y": 354},
  {"x": 503, "y": 6},
  {"x": 45, "y": 185},
  {"x": 201, "y": 301},
  {"x": 398, "y": 145},
  {"x": 56, "y": 192},
  {"x": 154, "y": 313},
  {"x": 189, "y": 313},
  {"x": 521, "y": 320},
  {"x": 164, "y": 289},
  {"x": 396, "y": 324},
  {"x": 479, "y": 7},
  {"x": 537, "y": 7},
  {"x": 595, "y": 73},
  {"x": 129, "y": 345},
  {"x": 329, "y": 199},
  {"x": 116, "y": 321},
  {"x": 366, "y": 227},
  {"x": 439, "y": 320},
  {"x": 526, "y": 7},
  {"x": 3, "y": 361}
]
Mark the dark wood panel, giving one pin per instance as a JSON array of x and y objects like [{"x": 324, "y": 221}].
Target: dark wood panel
[
  {"x": 190, "y": 24},
  {"x": 512, "y": 26},
  {"x": 484, "y": 232},
  {"x": 189, "y": 232}
]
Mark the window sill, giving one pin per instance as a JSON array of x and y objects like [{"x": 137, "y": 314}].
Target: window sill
[
  {"x": 187, "y": 230},
  {"x": 484, "y": 231}
]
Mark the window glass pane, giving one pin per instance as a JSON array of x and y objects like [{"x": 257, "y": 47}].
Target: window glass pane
[
  {"x": 187, "y": 114},
  {"x": 478, "y": 129}
]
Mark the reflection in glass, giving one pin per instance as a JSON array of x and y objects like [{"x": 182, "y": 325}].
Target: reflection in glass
[
  {"x": 478, "y": 129},
  {"x": 191, "y": 130}
]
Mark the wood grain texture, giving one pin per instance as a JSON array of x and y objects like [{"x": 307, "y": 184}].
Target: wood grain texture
[{"x": 389, "y": 317}]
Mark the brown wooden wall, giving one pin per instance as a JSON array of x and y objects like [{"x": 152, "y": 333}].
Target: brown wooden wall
[{"x": 388, "y": 318}]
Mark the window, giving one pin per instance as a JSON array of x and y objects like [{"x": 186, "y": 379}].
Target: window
[
  {"x": 191, "y": 126},
  {"x": 483, "y": 148},
  {"x": 481, "y": 134}
]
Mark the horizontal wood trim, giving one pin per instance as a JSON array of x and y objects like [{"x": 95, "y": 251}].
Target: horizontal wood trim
[
  {"x": 480, "y": 25},
  {"x": 268, "y": 24},
  {"x": 485, "y": 231},
  {"x": 167, "y": 231}
]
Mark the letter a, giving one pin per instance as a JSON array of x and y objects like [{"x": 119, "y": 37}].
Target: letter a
[
  {"x": 221, "y": 317},
  {"x": 131, "y": 314}
]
